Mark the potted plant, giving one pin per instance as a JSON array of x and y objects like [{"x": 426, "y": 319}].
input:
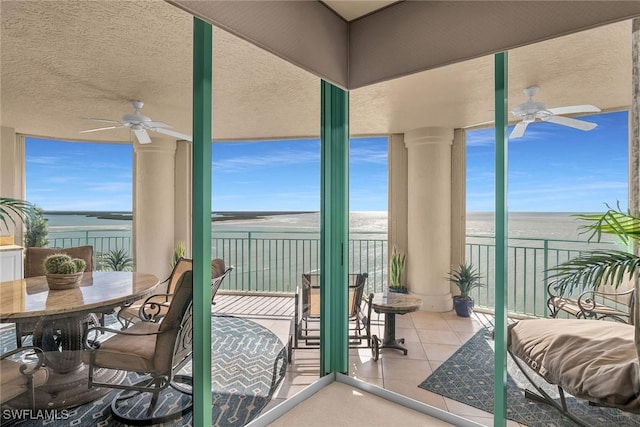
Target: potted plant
[
  {"x": 63, "y": 272},
  {"x": 396, "y": 268},
  {"x": 466, "y": 277}
]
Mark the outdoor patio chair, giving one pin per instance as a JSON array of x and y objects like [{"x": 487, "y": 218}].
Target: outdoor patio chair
[
  {"x": 608, "y": 304},
  {"x": 34, "y": 266},
  {"x": 155, "y": 307},
  {"x": 19, "y": 376},
  {"x": 305, "y": 326},
  {"x": 156, "y": 350},
  {"x": 596, "y": 361}
]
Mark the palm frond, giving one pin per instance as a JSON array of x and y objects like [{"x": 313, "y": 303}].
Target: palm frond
[
  {"x": 594, "y": 269},
  {"x": 613, "y": 222},
  {"x": 10, "y": 206}
]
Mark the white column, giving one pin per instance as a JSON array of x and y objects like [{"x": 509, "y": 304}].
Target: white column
[
  {"x": 429, "y": 216},
  {"x": 397, "y": 222},
  {"x": 458, "y": 198},
  {"x": 153, "y": 206},
  {"x": 12, "y": 179},
  {"x": 183, "y": 198}
]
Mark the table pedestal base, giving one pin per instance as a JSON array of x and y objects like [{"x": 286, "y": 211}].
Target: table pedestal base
[
  {"x": 64, "y": 391},
  {"x": 390, "y": 340}
]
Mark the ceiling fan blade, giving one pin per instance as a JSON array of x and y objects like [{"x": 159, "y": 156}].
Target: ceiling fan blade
[
  {"x": 101, "y": 120},
  {"x": 151, "y": 125},
  {"x": 142, "y": 135},
  {"x": 518, "y": 130},
  {"x": 574, "y": 123},
  {"x": 175, "y": 134},
  {"x": 574, "y": 109},
  {"x": 99, "y": 129}
]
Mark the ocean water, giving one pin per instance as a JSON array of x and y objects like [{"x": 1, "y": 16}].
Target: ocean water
[
  {"x": 552, "y": 225},
  {"x": 270, "y": 253}
]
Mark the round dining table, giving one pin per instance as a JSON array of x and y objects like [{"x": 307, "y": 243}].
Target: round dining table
[{"x": 58, "y": 319}]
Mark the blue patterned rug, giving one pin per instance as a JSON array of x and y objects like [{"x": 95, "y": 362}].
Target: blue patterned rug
[
  {"x": 248, "y": 363},
  {"x": 467, "y": 377}
]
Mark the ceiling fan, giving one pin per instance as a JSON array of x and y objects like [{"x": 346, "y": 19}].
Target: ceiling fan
[
  {"x": 139, "y": 124},
  {"x": 532, "y": 110}
]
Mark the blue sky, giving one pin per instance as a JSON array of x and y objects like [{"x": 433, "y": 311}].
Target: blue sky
[{"x": 552, "y": 168}]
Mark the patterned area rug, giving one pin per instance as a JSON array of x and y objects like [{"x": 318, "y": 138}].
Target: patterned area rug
[
  {"x": 467, "y": 377},
  {"x": 248, "y": 364}
]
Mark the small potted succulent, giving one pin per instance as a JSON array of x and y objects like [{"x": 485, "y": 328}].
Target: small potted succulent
[
  {"x": 63, "y": 272},
  {"x": 396, "y": 268},
  {"x": 466, "y": 277}
]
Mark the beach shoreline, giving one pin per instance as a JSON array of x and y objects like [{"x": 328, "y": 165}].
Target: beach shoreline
[{"x": 215, "y": 216}]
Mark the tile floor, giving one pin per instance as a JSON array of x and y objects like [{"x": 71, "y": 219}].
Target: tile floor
[{"x": 430, "y": 338}]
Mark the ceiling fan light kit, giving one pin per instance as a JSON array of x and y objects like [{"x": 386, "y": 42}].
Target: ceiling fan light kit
[
  {"x": 139, "y": 125},
  {"x": 531, "y": 111}
]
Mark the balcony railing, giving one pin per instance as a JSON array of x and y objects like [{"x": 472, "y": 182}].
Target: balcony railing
[{"x": 267, "y": 261}]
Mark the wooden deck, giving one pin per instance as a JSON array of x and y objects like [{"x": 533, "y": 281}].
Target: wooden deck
[{"x": 251, "y": 305}]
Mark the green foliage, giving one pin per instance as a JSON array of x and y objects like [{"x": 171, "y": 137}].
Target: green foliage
[
  {"x": 63, "y": 264},
  {"x": 67, "y": 267},
  {"x": 36, "y": 235},
  {"x": 53, "y": 262},
  {"x": 10, "y": 206},
  {"x": 80, "y": 264},
  {"x": 613, "y": 222},
  {"x": 396, "y": 268},
  {"x": 466, "y": 277},
  {"x": 115, "y": 260},
  {"x": 592, "y": 269},
  {"x": 180, "y": 251}
]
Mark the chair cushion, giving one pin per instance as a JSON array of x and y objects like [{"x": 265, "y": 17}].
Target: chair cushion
[
  {"x": 128, "y": 352},
  {"x": 591, "y": 360},
  {"x": 14, "y": 383}
]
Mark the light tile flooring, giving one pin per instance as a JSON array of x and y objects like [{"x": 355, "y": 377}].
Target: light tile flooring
[{"x": 430, "y": 338}]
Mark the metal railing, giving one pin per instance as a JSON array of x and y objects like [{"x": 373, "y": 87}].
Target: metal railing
[
  {"x": 268, "y": 261},
  {"x": 265, "y": 261},
  {"x": 529, "y": 260},
  {"x": 103, "y": 240}
]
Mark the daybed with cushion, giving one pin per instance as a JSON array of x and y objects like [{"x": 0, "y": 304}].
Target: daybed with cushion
[{"x": 596, "y": 361}]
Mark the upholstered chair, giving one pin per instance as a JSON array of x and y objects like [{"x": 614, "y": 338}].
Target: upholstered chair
[
  {"x": 130, "y": 314},
  {"x": 19, "y": 377},
  {"x": 155, "y": 307},
  {"x": 156, "y": 349}
]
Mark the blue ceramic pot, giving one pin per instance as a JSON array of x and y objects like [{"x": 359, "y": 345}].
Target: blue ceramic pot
[{"x": 463, "y": 307}]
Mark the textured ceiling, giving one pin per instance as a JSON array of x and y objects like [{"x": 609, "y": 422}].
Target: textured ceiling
[
  {"x": 62, "y": 61},
  {"x": 350, "y": 9}
]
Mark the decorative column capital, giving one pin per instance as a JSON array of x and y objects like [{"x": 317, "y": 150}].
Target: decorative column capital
[{"x": 428, "y": 135}]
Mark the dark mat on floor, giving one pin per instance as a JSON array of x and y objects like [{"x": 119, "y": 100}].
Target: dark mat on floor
[
  {"x": 467, "y": 377},
  {"x": 248, "y": 363}
]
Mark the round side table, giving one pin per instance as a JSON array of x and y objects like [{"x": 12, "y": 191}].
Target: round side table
[{"x": 391, "y": 304}]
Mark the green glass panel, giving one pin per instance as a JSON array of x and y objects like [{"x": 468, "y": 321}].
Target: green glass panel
[
  {"x": 334, "y": 227},
  {"x": 500, "y": 380},
  {"x": 201, "y": 228}
]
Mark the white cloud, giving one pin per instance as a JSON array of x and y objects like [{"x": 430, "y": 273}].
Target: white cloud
[{"x": 281, "y": 158}]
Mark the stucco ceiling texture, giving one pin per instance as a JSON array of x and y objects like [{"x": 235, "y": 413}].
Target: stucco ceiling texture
[{"x": 62, "y": 61}]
